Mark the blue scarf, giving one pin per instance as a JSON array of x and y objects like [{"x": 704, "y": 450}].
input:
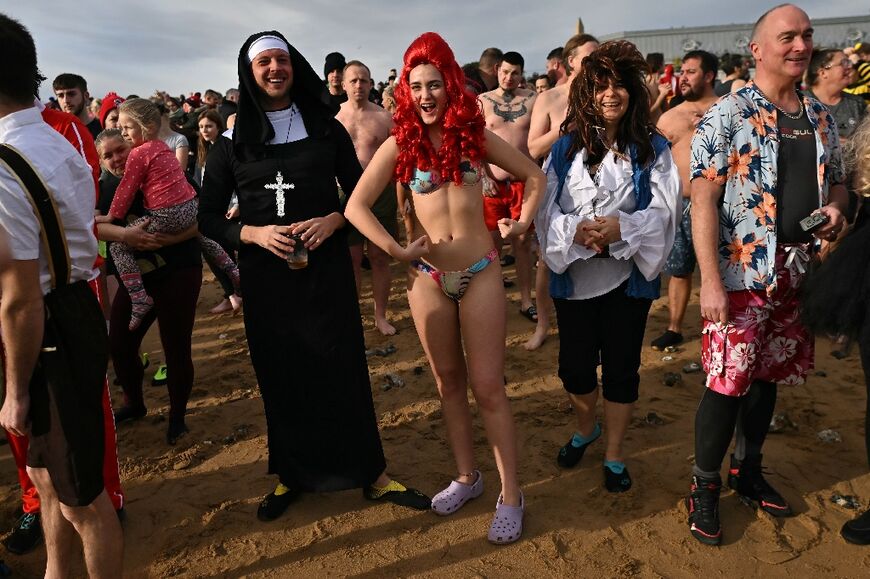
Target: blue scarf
[{"x": 561, "y": 286}]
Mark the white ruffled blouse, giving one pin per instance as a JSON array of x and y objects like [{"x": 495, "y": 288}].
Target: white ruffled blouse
[{"x": 647, "y": 235}]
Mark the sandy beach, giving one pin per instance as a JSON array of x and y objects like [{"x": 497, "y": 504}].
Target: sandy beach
[{"x": 191, "y": 508}]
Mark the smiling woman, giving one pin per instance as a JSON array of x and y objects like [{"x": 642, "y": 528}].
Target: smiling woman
[
  {"x": 455, "y": 287},
  {"x": 829, "y": 72},
  {"x": 606, "y": 227}
]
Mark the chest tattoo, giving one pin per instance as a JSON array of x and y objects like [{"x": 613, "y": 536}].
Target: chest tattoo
[{"x": 507, "y": 111}]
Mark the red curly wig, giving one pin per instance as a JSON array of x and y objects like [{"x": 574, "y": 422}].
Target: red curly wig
[{"x": 461, "y": 126}]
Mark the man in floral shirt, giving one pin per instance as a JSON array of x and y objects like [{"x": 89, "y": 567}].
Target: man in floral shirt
[{"x": 763, "y": 158}]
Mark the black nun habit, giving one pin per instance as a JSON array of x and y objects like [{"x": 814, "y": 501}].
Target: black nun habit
[{"x": 303, "y": 326}]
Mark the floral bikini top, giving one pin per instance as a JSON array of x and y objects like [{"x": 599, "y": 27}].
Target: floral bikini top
[{"x": 425, "y": 182}]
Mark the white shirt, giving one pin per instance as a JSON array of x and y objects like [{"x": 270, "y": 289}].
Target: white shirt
[
  {"x": 288, "y": 125},
  {"x": 176, "y": 141},
  {"x": 647, "y": 235},
  {"x": 70, "y": 182}
]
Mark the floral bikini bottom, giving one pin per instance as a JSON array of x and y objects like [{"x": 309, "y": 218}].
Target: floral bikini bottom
[{"x": 454, "y": 283}]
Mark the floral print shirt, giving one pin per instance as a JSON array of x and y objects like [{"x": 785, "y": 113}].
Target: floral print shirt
[{"x": 736, "y": 144}]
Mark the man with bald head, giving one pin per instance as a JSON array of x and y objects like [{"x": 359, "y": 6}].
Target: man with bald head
[{"x": 763, "y": 158}]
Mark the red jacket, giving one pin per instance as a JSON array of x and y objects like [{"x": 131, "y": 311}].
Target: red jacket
[{"x": 80, "y": 138}]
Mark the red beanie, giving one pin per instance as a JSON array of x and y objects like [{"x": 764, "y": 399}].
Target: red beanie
[{"x": 110, "y": 102}]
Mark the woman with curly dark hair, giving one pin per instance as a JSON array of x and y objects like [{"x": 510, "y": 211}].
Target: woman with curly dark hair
[
  {"x": 606, "y": 226},
  {"x": 455, "y": 291}
]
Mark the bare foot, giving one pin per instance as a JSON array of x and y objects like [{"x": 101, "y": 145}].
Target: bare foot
[
  {"x": 236, "y": 302},
  {"x": 385, "y": 327},
  {"x": 382, "y": 481},
  {"x": 538, "y": 338},
  {"x": 223, "y": 307}
]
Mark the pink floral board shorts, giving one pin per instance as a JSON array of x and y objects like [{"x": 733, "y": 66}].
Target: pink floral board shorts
[{"x": 763, "y": 339}]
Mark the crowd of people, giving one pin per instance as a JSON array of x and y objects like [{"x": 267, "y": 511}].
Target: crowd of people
[{"x": 599, "y": 176}]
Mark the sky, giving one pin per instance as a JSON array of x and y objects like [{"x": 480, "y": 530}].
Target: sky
[{"x": 192, "y": 45}]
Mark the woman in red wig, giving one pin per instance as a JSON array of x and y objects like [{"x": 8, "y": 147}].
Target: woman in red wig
[{"x": 438, "y": 151}]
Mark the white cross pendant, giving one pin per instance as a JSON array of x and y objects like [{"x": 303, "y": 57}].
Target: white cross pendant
[{"x": 280, "y": 186}]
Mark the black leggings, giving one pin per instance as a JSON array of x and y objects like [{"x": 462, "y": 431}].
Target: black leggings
[
  {"x": 717, "y": 416},
  {"x": 175, "y": 297}
]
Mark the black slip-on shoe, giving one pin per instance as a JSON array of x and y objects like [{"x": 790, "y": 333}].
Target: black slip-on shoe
[
  {"x": 857, "y": 531},
  {"x": 273, "y": 505},
  {"x": 26, "y": 535}
]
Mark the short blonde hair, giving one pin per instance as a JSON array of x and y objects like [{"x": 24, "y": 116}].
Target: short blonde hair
[{"x": 144, "y": 113}]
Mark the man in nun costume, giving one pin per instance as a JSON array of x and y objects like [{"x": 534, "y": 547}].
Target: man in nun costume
[{"x": 303, "y": 325}]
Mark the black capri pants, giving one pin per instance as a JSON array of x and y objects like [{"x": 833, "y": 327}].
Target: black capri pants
[{"x": 606, "y": 329}]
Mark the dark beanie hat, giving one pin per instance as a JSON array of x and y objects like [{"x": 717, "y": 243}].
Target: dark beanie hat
[{"x": 334, "y": 60}]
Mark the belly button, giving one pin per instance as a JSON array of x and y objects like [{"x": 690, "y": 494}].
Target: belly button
[{"x": 449, "y": 238}]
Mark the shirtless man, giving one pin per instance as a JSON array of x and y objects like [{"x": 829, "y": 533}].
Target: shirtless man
[
  {"x": 507, "y": 111},
  {"x": 678, "y": 125},
  {"x": 546, "y": 121},
  {"x": 556, "y": 67},
  {"x": 369, "y": 126}
]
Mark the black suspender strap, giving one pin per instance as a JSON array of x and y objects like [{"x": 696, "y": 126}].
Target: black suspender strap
[{"x": 51, "y": 228}]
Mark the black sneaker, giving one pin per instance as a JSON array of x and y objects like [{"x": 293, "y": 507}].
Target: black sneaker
[
  {"x": 703, "y": 506},
  {"x": 616, "y": 483},
  {"x": 747, "y": 480},
  {"x": 570, "y": 455},
  {"x": 857, "y": 531},
  {"x": 273, "y": 506},
  {"x": 669, "y": 338},
  {"x": 26, "y": 535}
]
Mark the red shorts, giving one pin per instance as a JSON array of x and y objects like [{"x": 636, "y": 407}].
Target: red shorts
[
  {"x": 507, "y": 202},
  {"x": 763, "y": 340}
]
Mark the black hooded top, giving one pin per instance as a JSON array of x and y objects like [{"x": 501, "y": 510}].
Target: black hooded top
[
  {"x": 248, "y": 166},
  {"x": 253, "y": 129},
  {"x": 303, "y": 326}
]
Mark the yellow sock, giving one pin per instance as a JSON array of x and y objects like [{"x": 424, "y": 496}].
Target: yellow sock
[
  {"x": 281, "y": 490},
  {"x": 377, "y": 492}
]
